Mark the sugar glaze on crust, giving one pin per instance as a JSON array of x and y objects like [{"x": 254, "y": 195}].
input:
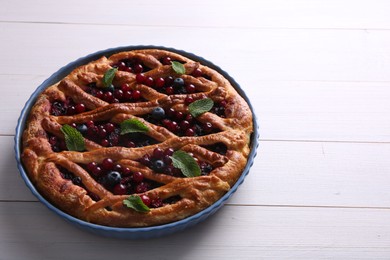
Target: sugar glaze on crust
[{"x": 44, "y": 166}]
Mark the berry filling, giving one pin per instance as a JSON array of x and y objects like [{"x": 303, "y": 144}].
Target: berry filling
[
  {"x": 160, "y": 161},
  {"x": 219, "y": 108},
  {"x": 57, "y": 144},
  {"x": 115, "y": 94},
  {"x": 167, "y": 85},
  {"x": 76, "y": 181},
  {"x": 120, "y": 180},
  {"x": 217, "y": 148},
  {"x": 131, "y": 65},
  {"x": 179, "y": 123},
  {"x": 108, "y": 134},
  {"x": 67, "y": 107}
]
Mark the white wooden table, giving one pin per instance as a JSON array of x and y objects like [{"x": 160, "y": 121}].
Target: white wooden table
[{"x": 318, "y": 74}]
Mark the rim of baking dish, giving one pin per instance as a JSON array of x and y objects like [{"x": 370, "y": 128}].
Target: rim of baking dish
[{"x": 132, "y": 232}]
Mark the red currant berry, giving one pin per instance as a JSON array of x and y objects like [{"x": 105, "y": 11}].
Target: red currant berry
[
  {"x": 102, "y": 132},
  {"x": 118, "y": 93},
  {"x": 118, "y": 167},
  {"x": 80, "y": 108},
  {"x": 138, "y": 177},
  {"x": 169, "y": 81},
  {"x": 97, "y": 171},
  {"x": 136, "y": 95},
  {"x": 126, "y": 171},
  {"x": 158, "y": 153},
  {"x": 105, "y": 143},
  {"x": 108, "y": 97},
  {"x": 190, "y": 132},
  {"x": 159, "y": 83},
  {"x": 99, "y": 94},
  {"x": 138, "y": 68},
  {"x": 127, "y": 94},
  {"x": 169, "y": 151},
  {"x": 197, "y": 73},
  {"x": 169, "y": 90},
  {"x": 108, "y": 164},
  {"x": 179, "y": 115},
  {"x": 109, "y": 127},
  {"x": 167, "y": 159},
  {"x": 207, "y": 127},
  {"x": 71, "y": 110},
  {"x": 120, "y": 189},
  {"x": 190, "y": 88},
  {"x": 91, "y": 166},
  {"x": 149, "y": 81},
  {"x": 125, "y": 87},
  {"x": 184, "y": 125},
  {"x": 90, "y": 123},
  {"x": 145, "y": 199},
  {"x": 189, "y": 118},
  {"x": 140, "y": 78},
  {"x": 166, "y": 61},
  {"x": 189, "y": 100}
]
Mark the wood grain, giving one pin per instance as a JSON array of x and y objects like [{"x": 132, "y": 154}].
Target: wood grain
[
  {"x": 235, "y": 232},
  {"x": 202, "y": 13},
  {"x": 317, "y": 73},
  {"x": 261, "y": 54}
]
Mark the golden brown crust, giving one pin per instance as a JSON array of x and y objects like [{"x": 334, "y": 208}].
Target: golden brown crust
[{"x": 43, "y": 165}]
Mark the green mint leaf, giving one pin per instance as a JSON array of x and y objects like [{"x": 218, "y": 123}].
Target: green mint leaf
[
  {"x": 74, "y": 139},
  {"x": 133, "y": 126},
  {"x": 200, "y": 106},
  {"x": 136, "y": 203},
  {"x": 186, "y": 163},
  {"x": 109, "y": 77},
  {"x": 178, "y": 67}
]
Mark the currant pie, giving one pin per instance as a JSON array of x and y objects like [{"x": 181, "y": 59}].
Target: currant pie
[{"x": 139, "y": 138}]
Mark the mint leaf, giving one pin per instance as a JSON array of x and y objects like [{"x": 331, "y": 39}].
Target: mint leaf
[
  {"x": 74, "y": 139},
  {"x": 178, "y": 67},
  {"x": 109, "y": 77},
  {"x": 136, "y": 203},
  {"x": 200, "y": 106},
  {"x": 133, "y": 126},
  {"x": 186, "y": 163}
]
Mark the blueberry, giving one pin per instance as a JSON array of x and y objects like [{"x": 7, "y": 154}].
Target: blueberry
[
  {"x": 82, "y": 128},
  {"x": 58, "y": 108},
  {"x": 158, "y": 113},
  {"x": 113, "y": 178},
  {"x": 110, "y": 88},
  {"x": 76, "y": 181},
  {"x": 158, "y": 165},
  {"x": 178, "y": 83}
]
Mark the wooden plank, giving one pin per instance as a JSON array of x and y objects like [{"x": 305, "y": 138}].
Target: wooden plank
[
  {"x": 202, "y": 13},
  {"x": 257, "y": 54},
  {"x": 304, "y": 110},
  {"x": 235, "y": 232},
  {"x": 284, "y": 173}
]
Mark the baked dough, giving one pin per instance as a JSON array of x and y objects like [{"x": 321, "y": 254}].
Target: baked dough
[{"x": 45, "y": 167}]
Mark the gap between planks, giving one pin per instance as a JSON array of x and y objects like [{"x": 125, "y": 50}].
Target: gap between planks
[
  {"x": 292, "y": 140},
  {"x": 250, "y": 205},
  {"x": 200, "y": 27}
]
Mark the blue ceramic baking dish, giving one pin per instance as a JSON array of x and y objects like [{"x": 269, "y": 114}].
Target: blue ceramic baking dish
[{"x": 130, "y": 233}]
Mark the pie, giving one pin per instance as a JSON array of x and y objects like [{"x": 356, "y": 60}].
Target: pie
[{"x": 144, "y": 117}]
